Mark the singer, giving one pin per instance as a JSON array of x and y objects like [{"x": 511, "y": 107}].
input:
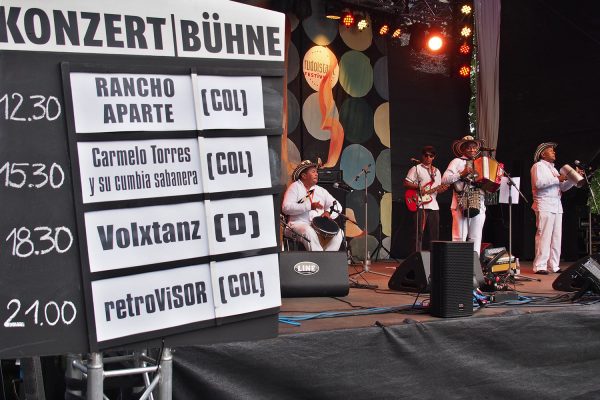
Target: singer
[
  {"x": 547, "y": 185},
  {"x": 302, "y": 213},
  {"x": 468, "y": 206},
  {"x": 422, "y": 183}
]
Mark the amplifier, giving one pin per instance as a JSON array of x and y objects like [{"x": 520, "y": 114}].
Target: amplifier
[
  {"x": 313, "y": 273},
  {"x": 330, "y": 175},
  {"x": 497, "y": 259}
]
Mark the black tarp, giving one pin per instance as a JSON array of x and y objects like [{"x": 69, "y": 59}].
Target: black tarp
[{"x": 547, "y": 355}]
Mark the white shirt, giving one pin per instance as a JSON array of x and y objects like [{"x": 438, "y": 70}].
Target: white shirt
[
  {"x": 546, "y": 187},
  {"x": 301, "y": 212},
  {"x": 452, "y": 175},
  {"x": 419, "y": 175}
]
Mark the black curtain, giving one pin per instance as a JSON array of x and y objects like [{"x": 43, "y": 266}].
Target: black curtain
[
  {"x": 428, "y": 106},
  {"x": 549, "y": 91}
]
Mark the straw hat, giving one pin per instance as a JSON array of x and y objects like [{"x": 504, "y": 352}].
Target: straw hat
[
  {"x": 540, "y": 149},
  {"x": 303, "y": 166},
  {"x": 457, "y": 145}
]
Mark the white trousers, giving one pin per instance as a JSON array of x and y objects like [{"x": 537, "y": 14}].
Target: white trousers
[
  {"x": 548, "y": 236},
  {"x": 315, "y": 244},
  {"x": 472, "y": 228}
]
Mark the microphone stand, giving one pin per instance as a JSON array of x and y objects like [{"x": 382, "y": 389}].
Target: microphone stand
[
  {"x": 367, "y": 259},
  {"x": 590, "y": 231}
]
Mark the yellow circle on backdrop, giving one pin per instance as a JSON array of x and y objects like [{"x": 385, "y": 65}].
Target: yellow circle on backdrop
[
  {"x": 382, "y": 123},
  {"x": 385, "y": 208}
]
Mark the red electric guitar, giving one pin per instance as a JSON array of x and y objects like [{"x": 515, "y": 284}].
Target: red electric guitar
[{"x": 412, "y": 197}]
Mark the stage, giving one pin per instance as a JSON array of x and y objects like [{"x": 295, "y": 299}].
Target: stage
[{"x": 544, "y": 347}]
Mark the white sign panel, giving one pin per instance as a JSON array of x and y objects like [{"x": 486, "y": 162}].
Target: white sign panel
[
  {"x": 180, "y": 28},
  {"x": 132, "y": 102},
  {"x": 229, "y": 102},
  {"x": 241, "y": 224},
  {"x": 125, "y": 170},
  {"x": 129, "y": 237},
  {"x": 234, "y": 164},
  {"x": 246, "y": 285},
  {"x": 156, "y": 300}
]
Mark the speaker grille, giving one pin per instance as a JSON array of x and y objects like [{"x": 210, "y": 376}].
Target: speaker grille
[{"x": 451, "y": 279}]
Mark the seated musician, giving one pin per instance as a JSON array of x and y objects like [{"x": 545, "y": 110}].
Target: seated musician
[
  {"x": 426, "y": 179},
  {"x": 303, "y": 201},
  {"x": 467, "y": 219}
]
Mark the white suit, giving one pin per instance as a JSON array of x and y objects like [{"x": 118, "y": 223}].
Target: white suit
[
  {"x": 463, "y": 227},
  {"x": 547, "y": 190},
  {"x": 297, "y": 206}
]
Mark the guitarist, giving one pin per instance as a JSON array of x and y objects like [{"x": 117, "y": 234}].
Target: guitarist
[{"x": 423, "y": 183}]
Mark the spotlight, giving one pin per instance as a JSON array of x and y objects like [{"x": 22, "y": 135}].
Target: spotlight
[
  {"x": 397, "y": 33},
  {"x": 384, "y": 29},
  {"x": 464, "y": 49},
  {"x": 348, "y": 20},
  {"x": 465, "y": 31},
  {"x": 332, "y": 12},
  {"x": 435, "y": 42},
  {"x": 464, "y": 71},
  {"x": 466, "y": 9},
  {"x": 362, "y": 24}
]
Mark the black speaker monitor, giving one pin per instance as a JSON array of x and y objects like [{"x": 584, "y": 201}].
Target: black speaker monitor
[
  {"x": 583, "y": 274},
  {"x": 413, "y": 274}
]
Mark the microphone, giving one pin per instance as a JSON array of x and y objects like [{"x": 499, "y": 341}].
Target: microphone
[
  {"x": 343, "y": 186},
  {"x": 364, "y": 170},
  {"x": 415, "y": 160},
  {"x": 332, "y": 208},
  {"x": 582, "y": 165},
  {"x": 305, "y": 197},
  {"x": 487, "y": 149}
]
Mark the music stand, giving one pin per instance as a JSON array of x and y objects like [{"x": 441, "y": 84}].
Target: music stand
[{"x": 509, "y": 186}]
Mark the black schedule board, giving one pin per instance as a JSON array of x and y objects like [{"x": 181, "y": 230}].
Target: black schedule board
[{"x": 41, "y": 301}]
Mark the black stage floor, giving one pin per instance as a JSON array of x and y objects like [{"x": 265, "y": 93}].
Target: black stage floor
[{"x": 538, "y": 289}]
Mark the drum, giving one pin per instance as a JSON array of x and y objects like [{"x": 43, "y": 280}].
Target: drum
[
  {"x": 326, "y": 228},
  {"x": 572, "y": 175},
  {"x": 488, "y": 173},
  {"x": 470, "y": 202}
]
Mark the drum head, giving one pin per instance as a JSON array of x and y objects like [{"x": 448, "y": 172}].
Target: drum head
[{"x": 325, "y": 226}]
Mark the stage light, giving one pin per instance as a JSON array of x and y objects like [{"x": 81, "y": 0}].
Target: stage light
[
  {"x": 384, "y": 29},
  {"x": 348, "y": 19},
  {"x": 332, "y": 12},
  {"x": 464, "y": 71},
  {"x": 464, "y": 49},
  {"x": 362, "y": 24},
  {"x": 435, "y": 43},
  {"x": 397, "y": 33},
  {"x": 466, "y": 9},
  {"x": 465, "y": 31}
]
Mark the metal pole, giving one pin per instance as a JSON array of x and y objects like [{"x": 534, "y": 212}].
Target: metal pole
[
  {"x": 95, "y": 377},
  {"x": 367, "y": 261},
  {"x": 165, "y": 385}
]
